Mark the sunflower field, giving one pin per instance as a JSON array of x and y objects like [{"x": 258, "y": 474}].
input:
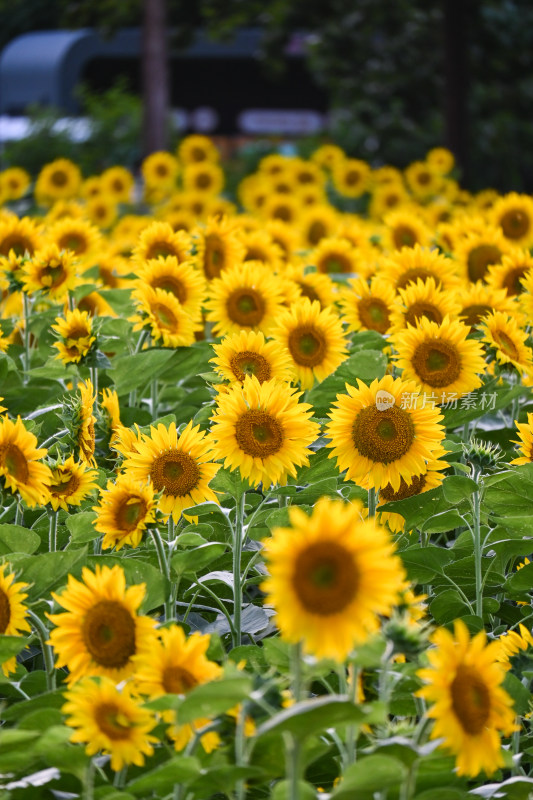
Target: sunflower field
[{"x": 266, "y": 480}]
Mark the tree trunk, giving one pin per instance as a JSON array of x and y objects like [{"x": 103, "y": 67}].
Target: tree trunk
[
  {"x": 155, "y": 80},
  {"x": 456, "y": 80}
]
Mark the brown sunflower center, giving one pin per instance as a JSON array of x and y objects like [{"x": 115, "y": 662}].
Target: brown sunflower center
[
  {"x": 406, "y": 489},
  {"x": 421, "y": 309},
  {"x": 53, "y": 275},
  {"x": 203, "y": 180},
  {"x": 175, "y": 472},
  {"x": 162, "y": 170},
  {"x": 423, "y": 178},
  {"x": 413, "y": 274},
  {"x": 73, "y": 241},
  {"x": 14, "y": 462},
  {"x": 65, "y": 488},
  {"x": 171, "y": 284},
  {"x": 258, "y": 433},
  {"x": 246, "y": 307},
  {"x": 198, "y": 154},
  {"x": 437, "y": 362},
  {"x": 214, "y": 258},
  {"x": 506, "y": 344},
  {"x": 515, "y": 223},
  {"x": 109, "y": 719},
  {"x": 177, "y": 680},
  {"x": 470, "y": 699},
  {"x": 317, "y": 231},
  {"x": 404, "y": 236},
  {"x": 108, "y": 632},
  {"x": 325, "y": 578},
  {"x": 383, "y": 436},
  {"x": 352, "y": 177},
  {"x": 165, "y": 316},
  {"x": 512, "y": 280},
  {"x": 306, "y": 290},
  {"x": 250, "y": 363},
  {"x": 334, "y": 263},
  {"x": 130, "y": 513},
  {"x": 5, "y": 611},
  {"x": 472, "y": 314},
  {"x": 374, "y": 314},
  {"x": 480, "y": 258},
  {"x": 307, "y": 345},
  {"x": 59, "y": 178},
  {"x": 18, "y": 243}
]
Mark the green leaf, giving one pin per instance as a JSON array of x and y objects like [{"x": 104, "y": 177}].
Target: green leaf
[
  {"x": 17, "y": 539},
  {"x": 445, "y": 521},
  {"x": 137, "y": 571},
  {"x": 81, "y": 527},
  {"x": 207, "y": 700},
  {"x": 310, "y": 716},
  {"x": 282, "y": 791},
  {"x": 416, "y": 510},
  {"x": 229, "y": 483},
  {"x": 520, "y": 582},
  {"x": 457, "y": 488},
  {"x": 447, "y": 606},
  {"x": 179, "y": 769},
  {"x": 219, "y": 779},
  {"x": 370, "y": 774},
  {"x": 194, "y": 560},
  {"x": 11, "y": 646},
  {"x": 54, "y": 746},
  {"x": 520, "y": 693},
  {"x": 47, "y": 571},
  {"x": 443, "y": 794},
  {"x": 423, "y": 563},
  {"x": 136, "y": 371}
]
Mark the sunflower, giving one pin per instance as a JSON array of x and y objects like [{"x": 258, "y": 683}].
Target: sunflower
[
  {"x": 14, "y": 182},
  {"x": 175, "y": 664},
  {"x": 259, "y": 246},
  {"x": 525, "y": 432},
  {"x": 76, "y": 235},
  {"x": 479, "y": 250},
  {"x": 85, "y": 423},
  {"x": 76, "y": 334},
  {"x": 331, "y": 576},
  {"x": 182, "y": 220},
  {"x": 513, "y": 214},
  {"x": 310, "y": 284},
  {"x": 100, "y": 632},
  {"x": 160, "y": 171},
  {"x": 285, "y": 236},
  {"x": 159, "y": 240},
  {"x": 248, "y": 353},
  {"x": 111, "y": 413},
  {"x": 386, "y": 198},
  {"x": 470, "y": 707},
  {"x": 218, "y": 247},
  {"x": 503, "y": 335},
  {"x": 51, "y": 271},
  {"x": 333, "y": 255},
  {"x": 441, "y": 160},
  {"x": 102, "y": 210},
  {"x": 163, "y": 314},
  {"x": 479, "y": 299},
  {"x": 179, "y": 279},
  {"x": 423, "y": 300},
  {"x": 351, "y": 177},
  {"x": 245, "y": 297},
  {"x": 91, "y": 187},
  {"x": 513, "y": 643},
  {"x": 428, "y": 480},
  {"x": 204, "y": 177},
  {"x": 378, "y": 438},
  {"x": 404, "y": 228},
  {"x": 368, "y": 306},
  {"x": 274, "y": 164},
  {"x": 23, "y": 236},
  {"x": 314, "y": 338},
  {"x": 119, "y": 183},
  {"x": 440, "y": 357},
  {"x": 317, "y": 223},
  {"x": 262, "y": 429},
  {"x": 95, "y": 305},
  {"x": 12, "y": 612},
  {"x": 112, "y": 270},
  {"x": 422, "y": 179},
  {"x": 327, "y": 155},
  {"x": 196, "y": 148},
  {"x": 179, "y": 466},
  {"x": 20, "y": 463},
  {"x": 126, "y": 508},
  {"x": 284, "y": 207},
  {"x": 71, "y": 483},
  {"x": 109, "y": 720},
  {"x": 58, "y": 180},
  {"x": 509, "y": 275}
]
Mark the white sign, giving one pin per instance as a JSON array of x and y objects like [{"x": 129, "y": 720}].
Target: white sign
[{"x": 295, "y": 122}]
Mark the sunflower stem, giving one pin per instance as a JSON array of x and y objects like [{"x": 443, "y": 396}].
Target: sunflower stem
[
  {"x": 51, "y": 439},
  {"x": 164, "y": 566},
  {"x": 52, "y": 530},
  {"x": 351, "y": 729},
  {"x": 371, "y": 503},
  {"x": 476, "y": 533},
  {"x": 119, "y": 780},
  {"x": 293, "y": 747},
  {"x": 238, "y": 535},
  {"x": 94, "y": 380},
  {"x": 240, "y": 760},
  {"x": 48, "y": 653},
  {"x": 141, "y": 340},
  {"x": 153, "y": 398},
  {"x": 88, "y": 783},
  {"x": 19, "y": 514},
  {"x": 27, "y": 314}
]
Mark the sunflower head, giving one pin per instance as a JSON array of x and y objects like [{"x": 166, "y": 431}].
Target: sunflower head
[
  {"x": 75, "y": 333},
  {"x": 12, "y": 611}
]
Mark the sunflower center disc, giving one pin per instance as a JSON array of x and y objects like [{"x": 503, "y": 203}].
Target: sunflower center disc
[
  {"x": 374, "y": 314},
  {"x": 15, "y": 462},
  {"x": 470, "y": 700},
  {"x": 308, "y": 291},
  {"x": 177, "y": 680},
  {"x": 109, "y": 718},
  {"x": 258, "y": 433},
  {"x": 53, "y": 275},
  {"x": 413, "y": 274},
  {"x": 307, "y": 345},
  {"x": 514, "y": 224},
  {"x": 480, "y": 259},
  {"x": 325, "y": 578},
  {"x": 419, "y": 310},
  {"x": 437, "y": 363},
  {"x": 335, "y": 264},
  {"x": 506, "y": 344},
  {"x": 58, "y": 178},
  {"x": 512, "y": 283},
  {"x": 250, "y": 363},
  {"x": 171, "y": 284},
  {"x": 406, "y": 489},
  {"x": 71, "y": 241},
  {"x": 5, "y": 611},
  {"x": 130, "y": 513},
  {"x": 317, "y": 231},
  {"x": 245, "y": 307},
  {"x": 17, "y": 243},
  {"x": 108, "y": 632},
  {"x": 404, "y": 237},
  {"x": 164, "y": 316},
  {"x": 472, "y": 314},
  {"x": 175, "y": 472},
  {"x": 214, "y": 257},
  {"x": 383, "y": 436},
  {"x": 158, "y": 249},
  {"x": 66, "y": 488}
]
